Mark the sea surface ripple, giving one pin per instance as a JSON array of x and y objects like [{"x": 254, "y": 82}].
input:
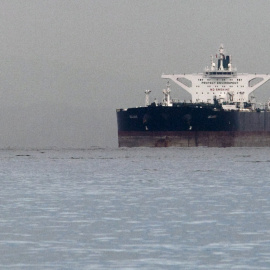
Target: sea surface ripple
[{"x": 138, "y": 208}]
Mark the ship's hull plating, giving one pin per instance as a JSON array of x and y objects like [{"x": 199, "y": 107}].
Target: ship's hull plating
[
  {"x": 194, "y": 138},
  {"x": 191, "y": 126}
]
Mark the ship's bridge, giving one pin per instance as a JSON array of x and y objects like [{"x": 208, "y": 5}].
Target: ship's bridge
[{"x": 221, "y": 82}]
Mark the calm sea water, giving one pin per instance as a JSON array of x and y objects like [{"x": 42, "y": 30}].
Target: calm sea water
[{"x": 144, "y": 208}]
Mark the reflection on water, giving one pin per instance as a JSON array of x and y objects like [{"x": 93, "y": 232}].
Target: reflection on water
[{"x": 143, "y": 208}]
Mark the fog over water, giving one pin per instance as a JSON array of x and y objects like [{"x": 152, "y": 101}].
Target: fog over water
[{"x": 67, "y": 65}]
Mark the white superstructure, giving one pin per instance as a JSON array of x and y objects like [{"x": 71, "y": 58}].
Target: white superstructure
[{"x": 220, "y": 82}]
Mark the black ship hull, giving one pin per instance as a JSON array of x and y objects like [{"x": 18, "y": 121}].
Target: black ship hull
[{"x": 192, "y": 125}]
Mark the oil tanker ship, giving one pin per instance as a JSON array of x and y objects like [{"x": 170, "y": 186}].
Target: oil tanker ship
[{"x": 222, "y": 111}]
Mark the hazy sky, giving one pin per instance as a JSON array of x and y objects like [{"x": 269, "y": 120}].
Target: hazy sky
[{"x": 67, "y": 65}]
